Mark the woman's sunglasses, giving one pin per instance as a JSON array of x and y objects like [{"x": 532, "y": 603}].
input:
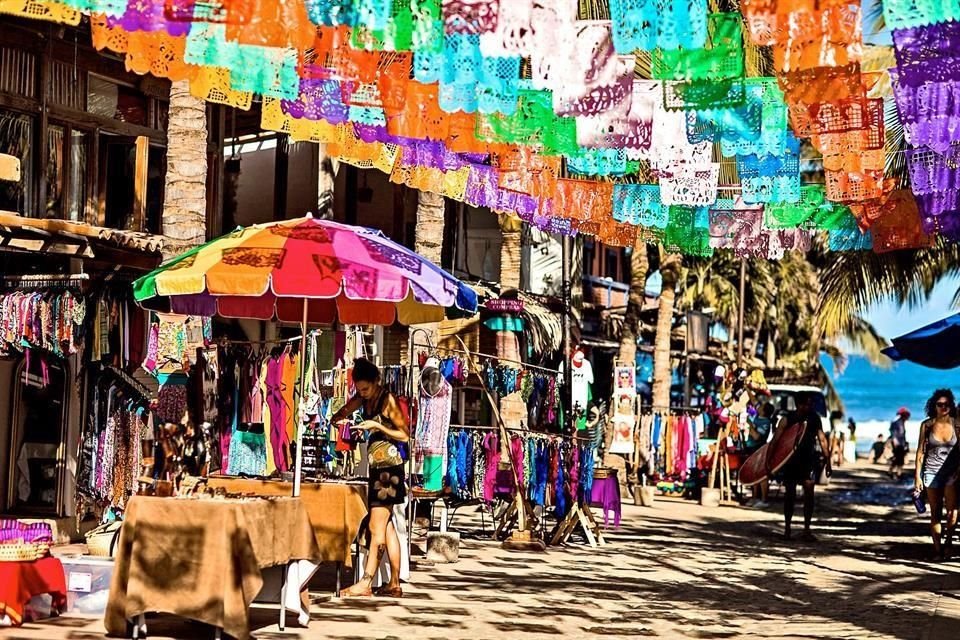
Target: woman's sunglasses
[{"x": 944, "y": 405}]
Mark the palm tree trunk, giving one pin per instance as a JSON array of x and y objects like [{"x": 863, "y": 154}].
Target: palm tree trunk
[
  {"x": 755, "y": 343},
  {"x": 662, "y": 376},
  {"x": 771, "y": 350},
  {"x": 428, "y": 242},
  {"x": 428, "y": 236},
  {"x": 510, "y": 252},
  {"x": 185, "y": 195},
  {"x": 631, "y": 318}
]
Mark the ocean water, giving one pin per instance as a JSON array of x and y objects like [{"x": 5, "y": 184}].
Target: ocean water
[{"x": 871, "y": 396}]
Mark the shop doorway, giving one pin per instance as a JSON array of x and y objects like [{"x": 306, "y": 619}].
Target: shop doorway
[{"x": 37, "y": 436}]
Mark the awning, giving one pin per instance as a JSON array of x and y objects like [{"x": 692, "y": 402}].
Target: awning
[
  {"x": 83, "y": 241},
  {"x": 934, "y": 346},
  {"x": 544, "y": 328}
]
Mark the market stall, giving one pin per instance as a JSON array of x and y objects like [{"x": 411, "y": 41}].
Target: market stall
[
  {"x": 335, "y": 508},
  {"x": 203, "y": 559},
  {"x": 261, "y": 409},
  {"x": 520, "y": 462}
]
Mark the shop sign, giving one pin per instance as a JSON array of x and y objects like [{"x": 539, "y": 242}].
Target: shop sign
[{"x": 504, "y": 305}]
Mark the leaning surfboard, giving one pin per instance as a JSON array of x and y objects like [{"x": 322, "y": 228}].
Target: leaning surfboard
[{"x": 772, "y": 457}]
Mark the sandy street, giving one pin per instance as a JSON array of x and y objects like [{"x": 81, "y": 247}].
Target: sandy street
[{"x": 676, "y": 570}]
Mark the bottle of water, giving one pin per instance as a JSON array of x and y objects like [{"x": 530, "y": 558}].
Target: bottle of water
[{"x": 919, "y": 502}]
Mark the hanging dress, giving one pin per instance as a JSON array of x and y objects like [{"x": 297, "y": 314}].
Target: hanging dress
[{"x": 278, "y": 414}]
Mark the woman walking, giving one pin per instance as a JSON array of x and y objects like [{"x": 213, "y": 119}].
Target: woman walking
[
  {"x": 387, "y": 426},
  {"x": 937, "y": 465}
]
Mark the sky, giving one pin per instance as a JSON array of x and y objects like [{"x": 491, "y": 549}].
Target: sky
[{"x": 890, "y": 320}]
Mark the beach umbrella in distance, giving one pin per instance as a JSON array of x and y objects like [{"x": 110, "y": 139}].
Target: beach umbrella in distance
[{"x": 936, "y": 345}]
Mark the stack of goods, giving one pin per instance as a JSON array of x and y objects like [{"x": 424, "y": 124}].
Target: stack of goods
[{"x": 20, "y": 541}]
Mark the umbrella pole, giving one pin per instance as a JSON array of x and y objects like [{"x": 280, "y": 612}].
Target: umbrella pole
[{"x": 298, "y": 465}]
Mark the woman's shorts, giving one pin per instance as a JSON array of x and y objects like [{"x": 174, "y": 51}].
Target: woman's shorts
[{"x": 387, "y": 486}]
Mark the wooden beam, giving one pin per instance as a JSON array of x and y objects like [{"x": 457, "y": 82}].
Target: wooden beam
[
  {"x": 106, "y": 125},
  {"x": 132, "y": 259},
  {"x": 99, "y": 213},
  {"x": 43, "y": 134},
  {"x": 215, "y": 160},
  {"x": 281, "y": 171},
  {"x": 42, "y": 246},
  {"x": 399, "y": 217},
  {"x": 140, "y": 183},
  {"x": 350, "y": 197},
  {"x": 19, "y": 103}
]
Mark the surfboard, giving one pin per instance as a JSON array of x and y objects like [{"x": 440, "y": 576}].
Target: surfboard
[
  {"x": 754, "y": 468},
  {"x": 783, "y": 446},
  {"x": 771, "y": 457}
]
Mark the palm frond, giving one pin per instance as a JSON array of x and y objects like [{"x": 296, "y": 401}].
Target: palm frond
[{"x": 853, "y": 281}]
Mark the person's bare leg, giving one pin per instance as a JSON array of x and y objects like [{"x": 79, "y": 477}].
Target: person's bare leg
[
  {"x": 789, "y": 499},
  {"x": 764, "y": 490},
  {"x": 935, "y": 498},
  {"x": 950, "y": 506},
  {"x": 808, "y": 487},
  {"x": 393, "y": 554},
  {"x": 379, "y": 517}
]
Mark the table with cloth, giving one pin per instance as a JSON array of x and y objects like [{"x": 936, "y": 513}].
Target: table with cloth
[
  {"x": 202, "y": 559},
  {"x": 335, "y": 508},
  {"x": 20, "y": 581},
  {"x": 605, "y": 494}
]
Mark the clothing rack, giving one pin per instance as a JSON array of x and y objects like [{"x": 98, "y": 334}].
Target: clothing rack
[
  {"x": 485, "y": 356},
  {"x": 36, "y": 282},
  {"x": 541, "y": 434},
  {"x": 226, "y": 341},
  {"x": 655, "y": 409},
  {"x": 132, "y": 382}
]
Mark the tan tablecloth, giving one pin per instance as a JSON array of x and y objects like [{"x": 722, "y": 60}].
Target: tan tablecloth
[
  {"x": 335, "y": 508},
  {"x": 201, "y": 559}
]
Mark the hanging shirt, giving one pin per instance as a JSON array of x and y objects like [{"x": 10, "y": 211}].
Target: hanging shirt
[
  {"x": 433, "y": 420},
  {"x": 581, "y": 377}
]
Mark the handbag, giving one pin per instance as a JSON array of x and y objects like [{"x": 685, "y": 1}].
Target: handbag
[{"x": 383, "y": 454}]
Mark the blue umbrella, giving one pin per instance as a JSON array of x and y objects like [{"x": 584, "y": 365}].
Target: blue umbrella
[{"x": 936, "y": 345}]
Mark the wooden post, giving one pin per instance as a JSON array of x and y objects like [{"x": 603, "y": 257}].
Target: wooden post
[
  {"x": 140, "y": 183},
  {"x": 280, "y": 173}
]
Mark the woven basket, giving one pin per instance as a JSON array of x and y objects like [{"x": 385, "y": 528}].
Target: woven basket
[
  {"x": 102, "y": 541},
  {"x": 23, "y": 551},
  {"x": 603, "y": 472}
]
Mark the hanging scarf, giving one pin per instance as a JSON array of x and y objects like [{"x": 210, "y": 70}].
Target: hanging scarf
[
  {"x": 517, "y": 453},
  {"x": 491, "y": 448},
  {"x": 560, "y": 493}
]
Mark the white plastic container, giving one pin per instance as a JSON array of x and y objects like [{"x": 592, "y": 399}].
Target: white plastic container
[{"x": 88, "y": 583}]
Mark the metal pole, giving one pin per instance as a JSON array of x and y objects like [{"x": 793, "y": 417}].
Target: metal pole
[
  {"x": 298, "y": 466},
  {"x": 566, "y": 348},
  {"x": 740, "y": 315},
  {"x": 411, "y": 430}
]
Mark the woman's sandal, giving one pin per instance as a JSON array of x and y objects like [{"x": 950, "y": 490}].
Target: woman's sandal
[
  {"x": 350, "y": 593},
  {"x": 387, "y": 591}
]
